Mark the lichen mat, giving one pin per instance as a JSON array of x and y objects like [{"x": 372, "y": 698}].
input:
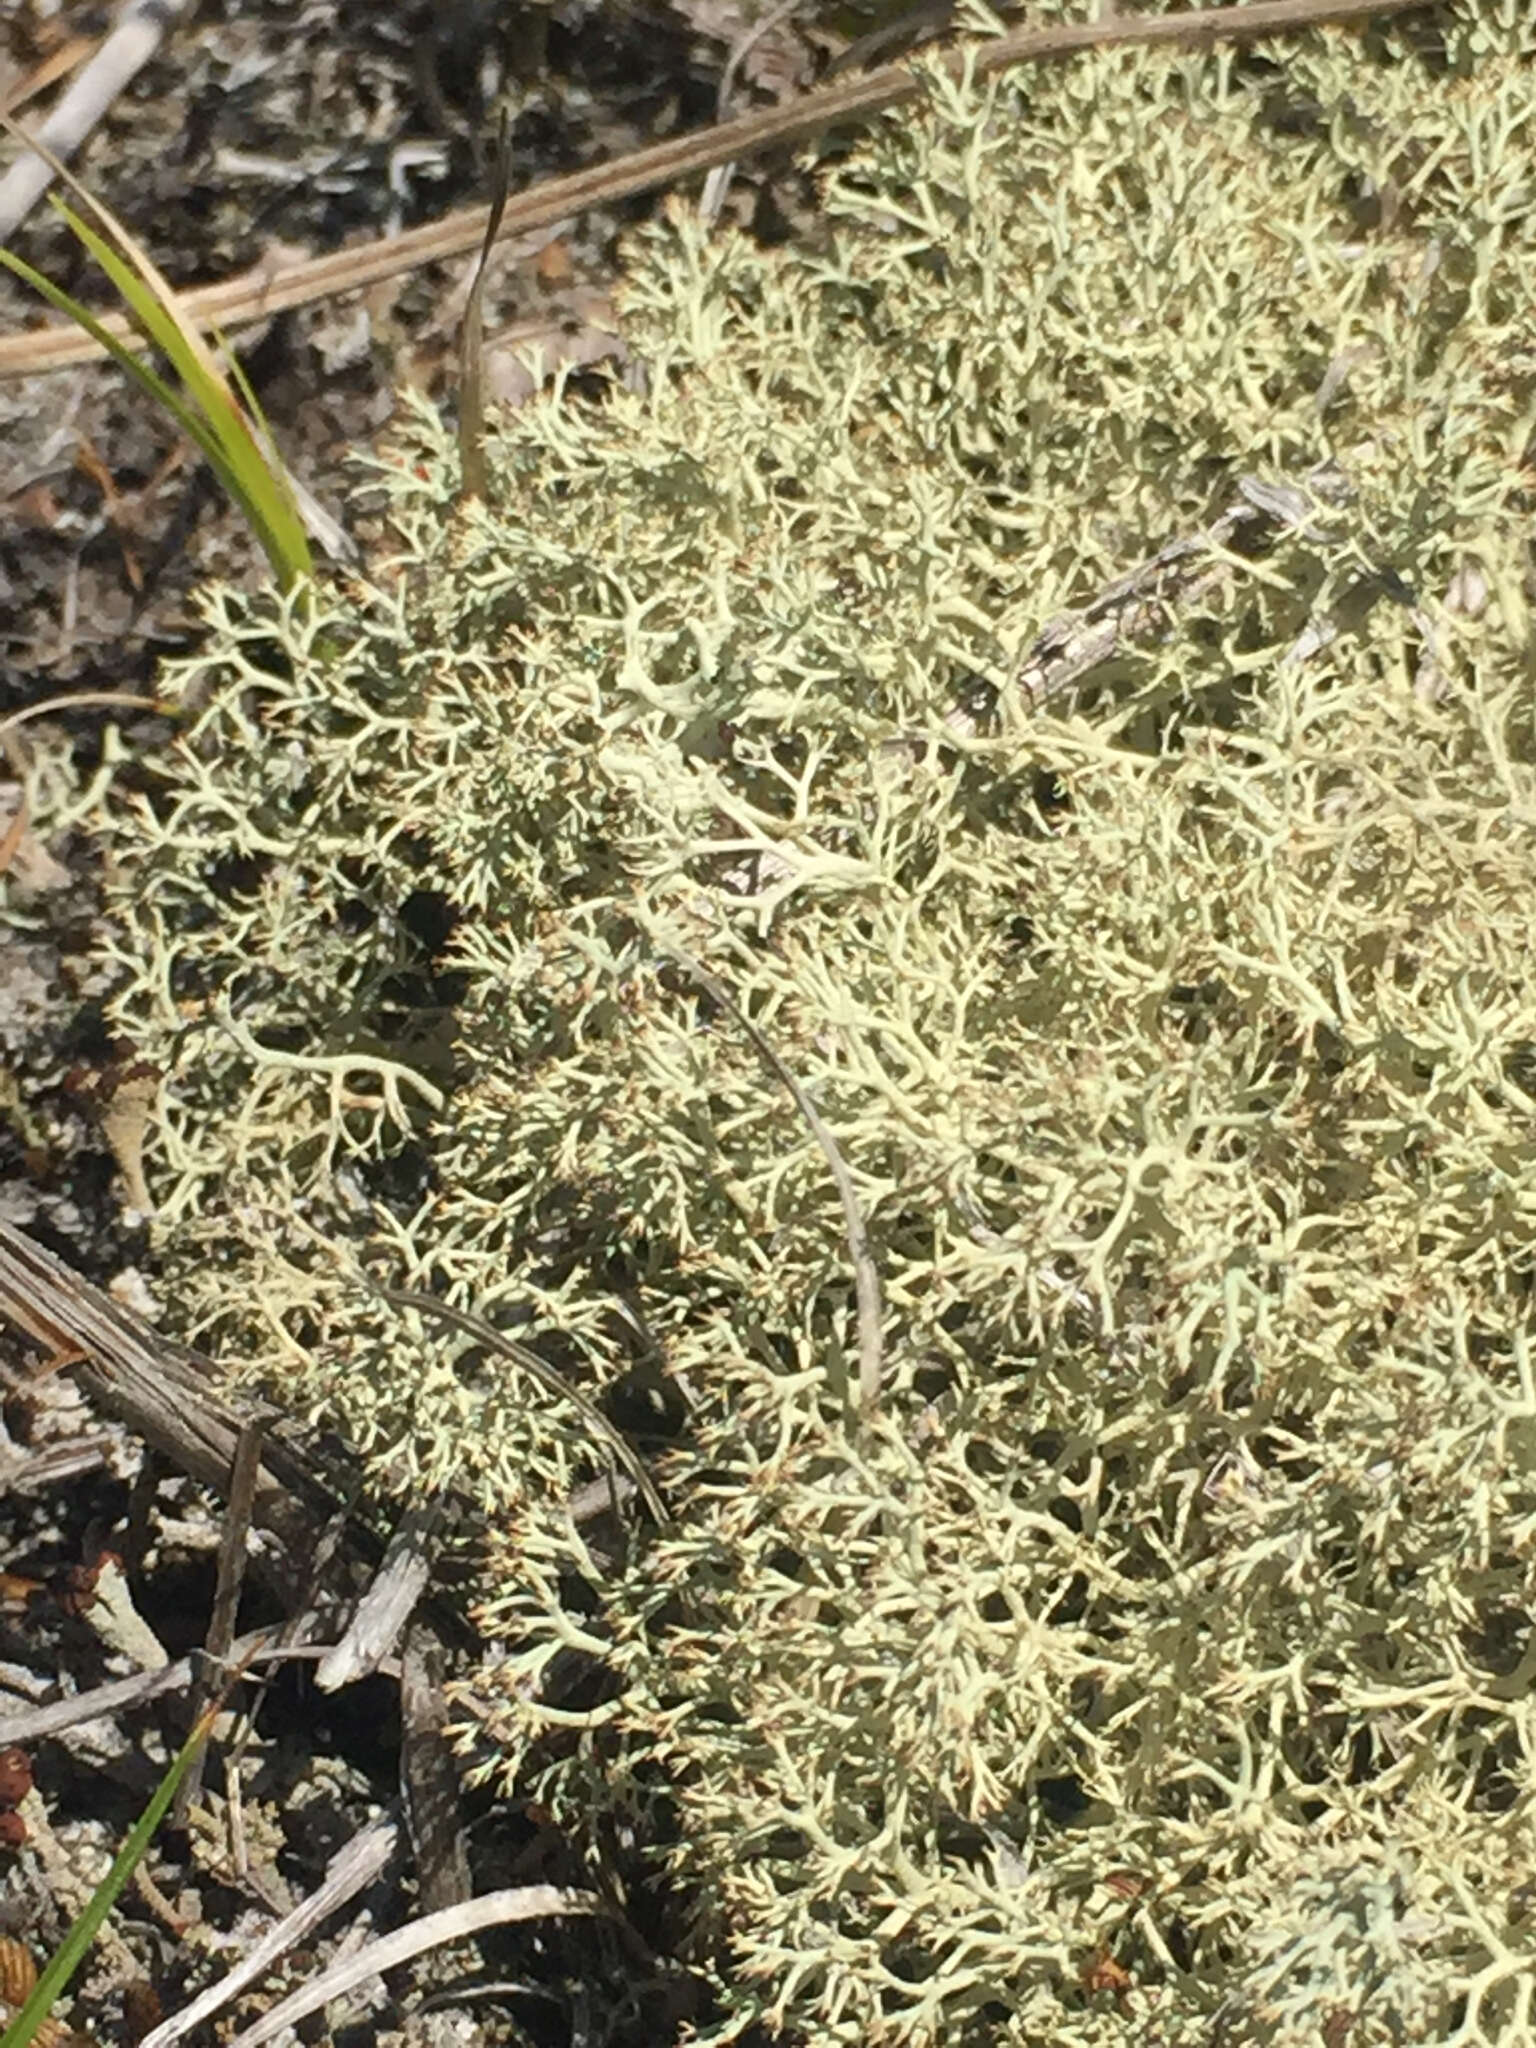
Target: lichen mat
[{"x": 1152, "y": 1664}]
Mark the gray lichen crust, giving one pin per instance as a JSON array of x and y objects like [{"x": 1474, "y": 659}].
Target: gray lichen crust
[{"x": 1154, "y": 1664}]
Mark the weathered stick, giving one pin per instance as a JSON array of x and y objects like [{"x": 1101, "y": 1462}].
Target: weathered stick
[{"x": 165, "y": 1392}]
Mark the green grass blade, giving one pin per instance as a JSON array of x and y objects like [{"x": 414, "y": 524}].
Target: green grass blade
[
  {"x": 82, "y": 316},
  {"x": 266, "y": 441},
  {"x": 260, "y": 488},
  {"x": 209, "y": 395},
  {"x": 151, "y": 317},
  {"x": 208, "y": 414},
  {"x": 254, "y": 414},
  {"x": 250, "y": 469},
  {"x": 287, "y": 553},
  {"x": 73, "y": 1949}
]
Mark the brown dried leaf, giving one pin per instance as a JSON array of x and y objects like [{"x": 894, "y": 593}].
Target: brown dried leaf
[
  {"x": 774, "y": 56},
  {"x": 125, "y": 1125},
  {"x": 580, "y": 335},
  {"x": 15, "y": 1784},
  {"x": 23, "y": 855}
]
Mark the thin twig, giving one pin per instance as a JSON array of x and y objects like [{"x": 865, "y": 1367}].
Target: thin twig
[
  {"x": 852, "y": 99},
  {"x": 866, "y": 1277},
  {"x": 234, "y": 1550},
  {"x": 28, "y": 1724}
]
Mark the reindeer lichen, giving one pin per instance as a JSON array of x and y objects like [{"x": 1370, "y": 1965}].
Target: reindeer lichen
[{"x": 1154, "y": 1662}]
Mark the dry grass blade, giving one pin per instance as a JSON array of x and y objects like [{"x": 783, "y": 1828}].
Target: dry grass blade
[
  {"x": 472, "y": 334},
  {"x": 866, "y": 1277},
  {"x": 552, "y": 1381},
  {"x": 495, "y": 1909},
  {"x": 58, "y": 64},
  {"x": 354, "y": 1866}
]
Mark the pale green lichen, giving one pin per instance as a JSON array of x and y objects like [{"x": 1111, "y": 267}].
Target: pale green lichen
[{"x": 1174, "y": 1610}]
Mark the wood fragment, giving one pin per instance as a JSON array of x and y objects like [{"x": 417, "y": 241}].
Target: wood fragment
[
  {"x": 1139, "y": 604},
  {"x": 164, "y": 1391},
  {"x": 388, "y": 1604},
  {"x": 429, "y": 1779}
]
